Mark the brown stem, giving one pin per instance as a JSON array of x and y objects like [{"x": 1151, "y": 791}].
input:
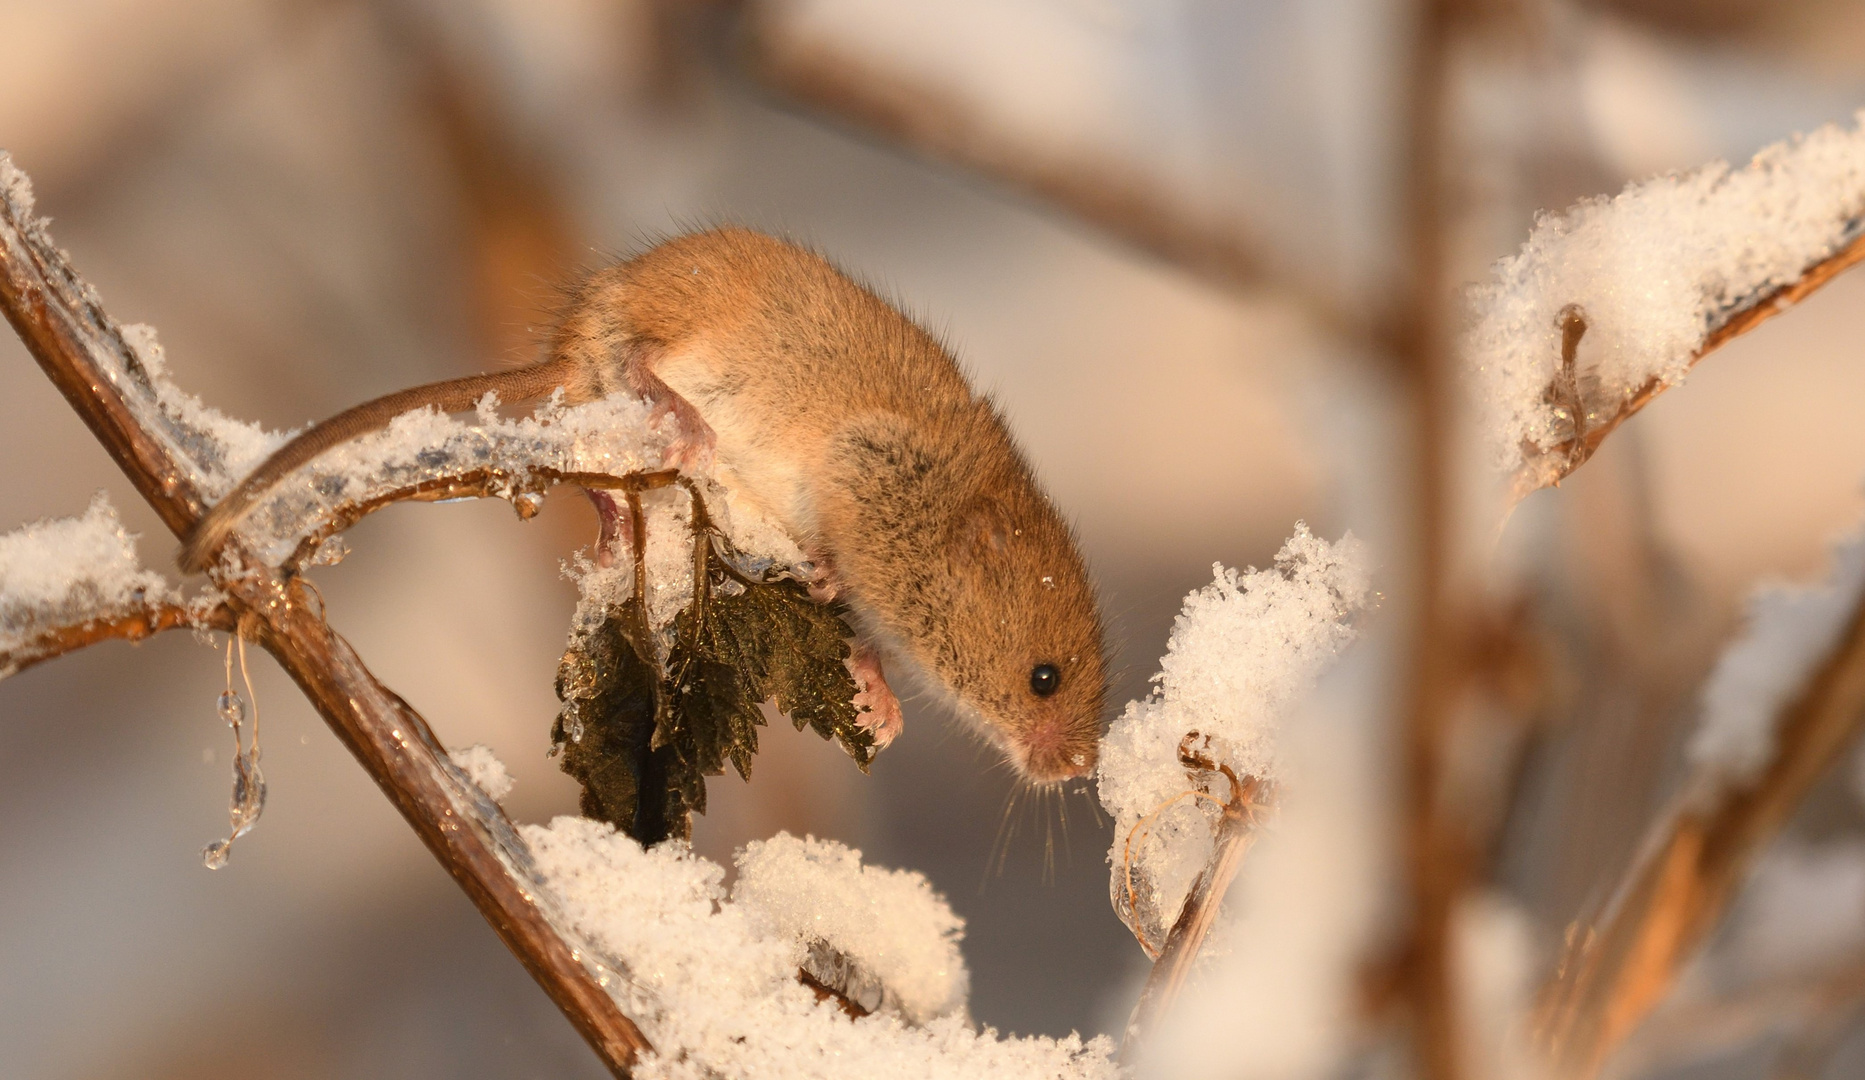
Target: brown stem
[
  {"x": 1674, "y": 895},
  {"x": 825, "y": 992},
  {"x": 82, "y": 350},
  {"x": 1436, "y": 864},
  {"x": 1199, "y": 913},
  {"x": 1548, "y": 467},
  {"x": 484, "y": 483},
  {"x": 132, "y": 624}
]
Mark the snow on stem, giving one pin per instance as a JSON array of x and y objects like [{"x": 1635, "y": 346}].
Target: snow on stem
[
  {"x": 1651, "y": 281},
  {"x": 70, "y": 582},
  {"x": 1786, "y": 701},
  {"x": 1242, "y": 652}
]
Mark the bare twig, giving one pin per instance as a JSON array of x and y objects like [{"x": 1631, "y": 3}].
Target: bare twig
[
  {"x": 1198, "y": 914},
  {"x": 1616, "y": 972},
  {"x": 83, "y": 351},
  {"x": 1548, "y": 467},
  {"x": 133, "y": 624}
]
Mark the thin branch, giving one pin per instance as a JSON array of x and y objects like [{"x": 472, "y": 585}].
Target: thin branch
[
  {"x": 1235, "y": 833},
  {"x": 82, "y": 350},
  {"x": 1674, "y": 895},
  {"x": 486, "y": 483},
  {"x": 133, "y": 624},
  {"x": 1548, "y": 467}
]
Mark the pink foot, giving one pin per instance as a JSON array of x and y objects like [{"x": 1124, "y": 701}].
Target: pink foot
[
  {"x": 616, "y": 531},
  {"x": 879, "y": 708}
]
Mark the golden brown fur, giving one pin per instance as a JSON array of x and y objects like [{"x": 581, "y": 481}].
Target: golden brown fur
[{"x": 854, "y": 428}]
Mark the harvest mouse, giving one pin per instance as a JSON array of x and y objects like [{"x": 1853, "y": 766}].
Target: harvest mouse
[{"x": 854, "y": 429}]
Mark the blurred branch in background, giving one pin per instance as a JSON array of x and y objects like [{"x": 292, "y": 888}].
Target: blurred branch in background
[
  {"x": 1678, "y": 890},
  {"x": 1118, "y": 196}
]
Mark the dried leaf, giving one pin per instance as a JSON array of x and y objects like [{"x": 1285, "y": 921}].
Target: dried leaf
[{"x": 641, "y": 741}]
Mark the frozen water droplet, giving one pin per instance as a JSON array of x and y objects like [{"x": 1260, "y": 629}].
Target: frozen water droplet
[
  {"x": 528, "y": 504},
  {"x": 330, "y": 552},
  {"x": 232, "y": 708},
  {"x": 249, "y": 794},
  {"x": 214, "y": 856}
]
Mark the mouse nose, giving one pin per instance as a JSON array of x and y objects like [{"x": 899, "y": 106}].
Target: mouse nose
[{"x": 1053, "y": 751}]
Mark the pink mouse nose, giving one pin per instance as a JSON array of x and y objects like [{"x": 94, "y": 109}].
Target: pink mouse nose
[{"x": 1054, "y": 751}]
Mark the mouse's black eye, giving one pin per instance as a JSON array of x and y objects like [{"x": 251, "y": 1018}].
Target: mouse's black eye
[{"x": 1044, "y": 678}]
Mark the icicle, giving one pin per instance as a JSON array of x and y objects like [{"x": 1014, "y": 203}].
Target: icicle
[{"x": 248, "y": 799}]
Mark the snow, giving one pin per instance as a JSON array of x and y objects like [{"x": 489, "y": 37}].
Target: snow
[
  {"x": 1804, "y": 911},
  {"x": 1279, "y": 991},
  {"x": 484, "y": 769},
  {"x": 716, "y": 991},
  {"x": 65, "y": 571},
  {"x": 1653, "y": 270},
  {"x": 889, "y": 924},
  {"x": 1791, "y": 630},
  {"x": 1242, "y": 652}
]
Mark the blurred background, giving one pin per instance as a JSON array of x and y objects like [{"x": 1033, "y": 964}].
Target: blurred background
[{"x": 1150, "y": 227}]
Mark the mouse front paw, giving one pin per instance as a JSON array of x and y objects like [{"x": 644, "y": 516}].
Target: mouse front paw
[{"x": 879, "y": 709}]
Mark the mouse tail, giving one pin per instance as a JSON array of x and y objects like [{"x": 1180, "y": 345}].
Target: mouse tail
[{"x": 451, "y": 395}]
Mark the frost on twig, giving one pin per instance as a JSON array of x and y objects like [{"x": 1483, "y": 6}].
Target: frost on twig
[
  {"x": 713, "y": 979},
  {"x": 1242, "y": 651},
  {"x": 428, "y": 455},
  {"x": 211, "y": 450},
  {"x": 67, "y": 582},
  {"x": 1791, "y": 629},
  {"x": 1610, "y": 303}
]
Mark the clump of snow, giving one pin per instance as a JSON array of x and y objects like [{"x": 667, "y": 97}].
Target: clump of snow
[
  {"x": 1804, "y": 911},
  {"x": 885, "y": 928},
  {"x": 65, "y": 571},
  {"x": 1242, "y": 652},
  {"x": 716, "y": 990},
  {"x": 484, "y": 769},
  {"x": 1791, "y": 630},
  {"x": 15, "y": 189},
  {"x": 1653, "y": 270}
]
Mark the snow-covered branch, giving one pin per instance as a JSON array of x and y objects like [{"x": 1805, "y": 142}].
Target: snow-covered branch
[
  {"x": 180, "y": 454},
  {"x": 1612, "y": 303},
  {"x": 72, "y": 582},
  {"x": 1184, "y": 771},
  {"x": 1785, "y": 702}
]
